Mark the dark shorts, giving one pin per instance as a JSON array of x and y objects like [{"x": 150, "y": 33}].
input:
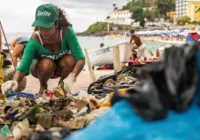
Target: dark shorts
[
  {"x": 24, "y": 44},
  {"x": 23, "y": 41},
  {"x": 57, "y": 72}
]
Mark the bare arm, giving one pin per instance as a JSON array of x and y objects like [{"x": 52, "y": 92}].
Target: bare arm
[
  {"x": 18, "y": 76},
  {"x": 78, "y": 67},
  {"x": 12, "y": 45},
  {"x": 131, "y": 40}
]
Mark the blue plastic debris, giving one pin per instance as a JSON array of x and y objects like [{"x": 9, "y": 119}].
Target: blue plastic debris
[{"x": 122, "y": 123}]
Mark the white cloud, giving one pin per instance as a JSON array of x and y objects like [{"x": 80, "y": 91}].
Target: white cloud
[{"x": 18, "y": 15}]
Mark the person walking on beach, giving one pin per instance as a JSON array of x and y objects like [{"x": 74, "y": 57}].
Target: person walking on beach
[
  {"x": 137, "y": 44},
  {"x": 193, "y": 36},
  {"x": 52, "y": 51},
  {"x": 17, "y": 46}
]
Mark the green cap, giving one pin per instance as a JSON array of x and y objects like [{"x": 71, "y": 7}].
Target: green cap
[{"x": 45, "y": 16}]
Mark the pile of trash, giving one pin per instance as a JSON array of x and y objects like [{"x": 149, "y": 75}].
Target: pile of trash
[
  {"x": 59, "y": 112},
  {"x": 109, "y": 83},
  {"x": 24, "y": 115}
]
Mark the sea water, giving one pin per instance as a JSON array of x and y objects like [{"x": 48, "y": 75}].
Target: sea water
[{"x": 91, "y": 43}]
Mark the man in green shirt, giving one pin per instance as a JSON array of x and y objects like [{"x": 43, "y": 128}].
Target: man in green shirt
[{"x": 52, "y": 51}]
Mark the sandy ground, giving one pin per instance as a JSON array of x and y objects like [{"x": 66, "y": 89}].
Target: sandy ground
[
  {"x": 157, "y": 38},
  {"x": 83, "y": 81}
]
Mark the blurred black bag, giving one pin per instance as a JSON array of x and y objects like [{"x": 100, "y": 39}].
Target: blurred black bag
[{"x": 170, "y": 83}]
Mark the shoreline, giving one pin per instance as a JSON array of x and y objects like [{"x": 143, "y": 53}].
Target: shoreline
[
  {"x": 149, "y": 38},
  {"x": 158, "y": 39}
]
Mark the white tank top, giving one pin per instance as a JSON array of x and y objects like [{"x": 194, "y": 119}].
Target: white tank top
[{"x": 40, "y": 38}]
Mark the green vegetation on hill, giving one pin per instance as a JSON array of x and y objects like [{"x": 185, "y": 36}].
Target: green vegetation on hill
[
  {"x": 103, "y": 26},
  {"x": 149, "y": 9},
  {"x": 97, "y": 27},
  {"x": 160, "y": 6},
  {"x": 142, "y": 11}
]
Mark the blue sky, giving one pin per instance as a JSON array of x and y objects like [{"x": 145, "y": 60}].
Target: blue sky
[{"x": 18, "y": 15}]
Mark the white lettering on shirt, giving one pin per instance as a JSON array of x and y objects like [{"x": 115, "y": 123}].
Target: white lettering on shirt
[{"x": 54, "y": 57}]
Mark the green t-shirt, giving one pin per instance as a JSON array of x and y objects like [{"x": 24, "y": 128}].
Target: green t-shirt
[{"x": 34, "y": 50}]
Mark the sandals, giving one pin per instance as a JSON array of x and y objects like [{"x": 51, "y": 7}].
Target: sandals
[{"x": 38, "y": 95}]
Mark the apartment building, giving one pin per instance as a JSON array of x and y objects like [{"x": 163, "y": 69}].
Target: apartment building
[
  {"x": 188, "y": 8},
  {"x": 120, "y": 17}
]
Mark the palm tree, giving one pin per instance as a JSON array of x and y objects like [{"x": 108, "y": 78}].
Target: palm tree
[{"x": 114, "y": 6}]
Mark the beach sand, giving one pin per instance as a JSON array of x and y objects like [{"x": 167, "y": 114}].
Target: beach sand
[
  {"x": 172, "y": 40},
  {"x": 158, "y": 39},
  {"x": 83, "y": 81}
]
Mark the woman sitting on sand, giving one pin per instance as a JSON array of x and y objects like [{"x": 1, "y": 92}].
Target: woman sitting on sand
[{"x": 52, "y": 51}]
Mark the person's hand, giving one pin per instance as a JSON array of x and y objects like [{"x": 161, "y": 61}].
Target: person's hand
[
  {"x": 11, "y": 86},
  {"x": 72, "y": 77}
]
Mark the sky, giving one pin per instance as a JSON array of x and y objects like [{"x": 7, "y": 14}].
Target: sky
[{"x": 18, "y": 15}]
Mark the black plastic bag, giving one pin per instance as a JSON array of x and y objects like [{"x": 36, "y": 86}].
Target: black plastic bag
[
  {"x": 167, "y": 84},
  {"x": 98, "y": 88}
]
